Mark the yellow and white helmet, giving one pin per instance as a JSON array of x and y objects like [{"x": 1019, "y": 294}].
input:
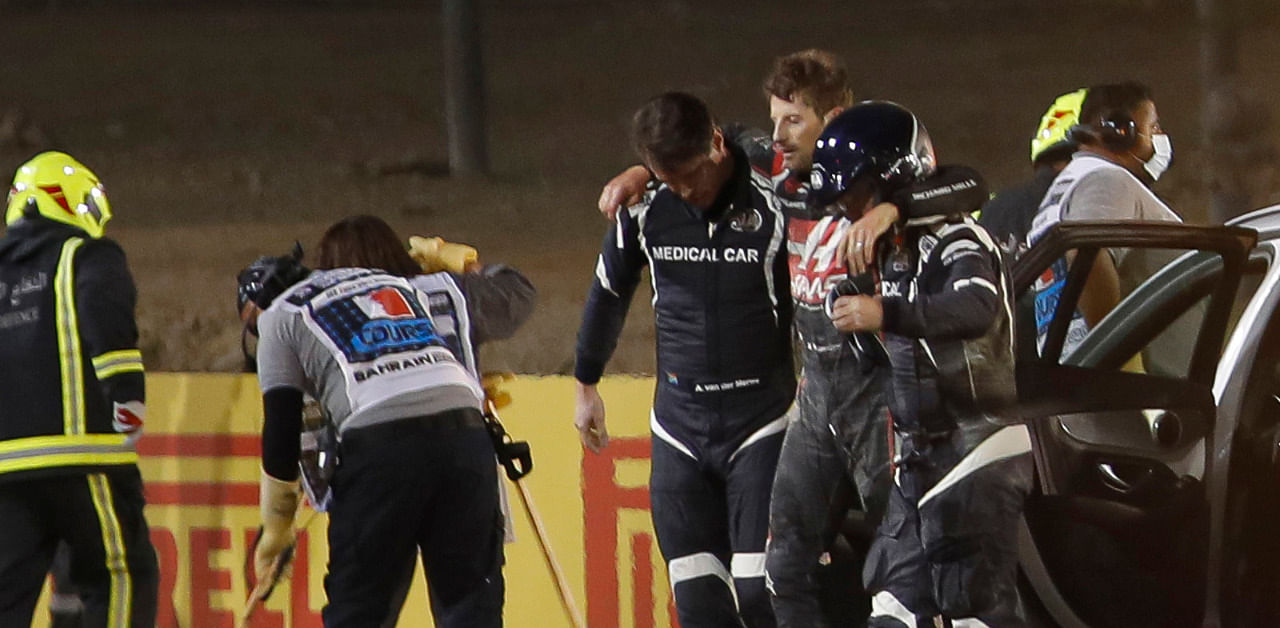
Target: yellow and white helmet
[
  {"x": 58, "y": 187},
  {"x": 1063, "y": 114}
]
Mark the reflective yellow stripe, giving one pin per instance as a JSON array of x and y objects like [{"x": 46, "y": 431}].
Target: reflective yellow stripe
[
  {"x": 124, "y": 356},
  {"x": 116, "y": 362},
  {"x": 122, "y": 368},
  {"x": 39, "y": 452},
  {"x": 120, "y": 599},
  {"x": 67, "y": 460},
  {"x": 112, "y": 356},
  {"x": 37, "y": 443},
  {"x": 69, "y": 340}
]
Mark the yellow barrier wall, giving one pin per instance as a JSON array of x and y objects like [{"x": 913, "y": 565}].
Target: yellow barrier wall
[{"x": 201, "y": 459}]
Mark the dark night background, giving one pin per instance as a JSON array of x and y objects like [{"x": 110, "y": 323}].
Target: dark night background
[{"x": 224, "y": 130}]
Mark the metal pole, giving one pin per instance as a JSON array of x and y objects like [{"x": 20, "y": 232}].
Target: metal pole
[
  {"x": 464, "y": 89},
  {"x": 492, "y": 392}
]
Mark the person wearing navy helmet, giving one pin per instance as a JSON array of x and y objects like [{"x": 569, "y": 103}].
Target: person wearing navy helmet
[{"x": 946, "y": 548}]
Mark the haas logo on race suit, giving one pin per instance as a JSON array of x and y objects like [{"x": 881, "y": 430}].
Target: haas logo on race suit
[{"x": 816, "y": 266}]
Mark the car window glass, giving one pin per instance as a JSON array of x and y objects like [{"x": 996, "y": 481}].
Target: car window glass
[
  {"x": 1164, "y": 300},
  {"x": 1249, "y": 284},
  {"x": 1069, "y": 304},
  {"x": 1169, "y": 353}
]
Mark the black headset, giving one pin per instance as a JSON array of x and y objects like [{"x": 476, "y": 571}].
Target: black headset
[{"x": 1116, "y": 130}]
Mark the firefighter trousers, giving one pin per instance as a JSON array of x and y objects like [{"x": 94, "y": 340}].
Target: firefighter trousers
[{"x": 99, "y": 516}]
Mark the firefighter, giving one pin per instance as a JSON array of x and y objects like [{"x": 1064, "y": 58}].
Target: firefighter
[{"x": 74, "y": 399}]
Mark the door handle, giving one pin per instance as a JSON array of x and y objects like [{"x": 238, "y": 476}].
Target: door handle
[{"x": 1113, "y": 481}]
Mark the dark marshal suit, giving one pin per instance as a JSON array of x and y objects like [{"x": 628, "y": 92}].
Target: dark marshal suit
[{"x": 725, "y": 380}]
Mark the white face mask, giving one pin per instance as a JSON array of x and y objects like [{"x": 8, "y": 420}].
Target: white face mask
[{"x": 1160, "y": 160}]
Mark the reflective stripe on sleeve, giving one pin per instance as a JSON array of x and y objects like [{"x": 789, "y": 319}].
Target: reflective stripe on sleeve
[
  {"x": 975, "y": 281},
  {"x": 603, "y": 275},
  {"x": 117, "y": 362}
]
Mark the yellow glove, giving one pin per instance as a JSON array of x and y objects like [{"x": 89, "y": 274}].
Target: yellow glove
[
  {"x": 492, "y": 383},
  {"x": 436, "y": 254},
  {"x": 278, "y": 501}
]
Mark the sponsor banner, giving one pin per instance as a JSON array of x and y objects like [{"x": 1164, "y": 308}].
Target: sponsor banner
[{"x": 200, "y": 461}]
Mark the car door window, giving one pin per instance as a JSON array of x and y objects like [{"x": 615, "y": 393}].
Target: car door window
[
  {"x": 1154, "y": 331},
  {"x": 1169, "y": 353},
  {"x": 1156, "y": 325},
  {"x": 1135, "y": 383}
]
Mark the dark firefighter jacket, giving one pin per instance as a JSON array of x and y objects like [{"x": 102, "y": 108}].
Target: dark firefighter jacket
[{"x": 68, "y": 349}]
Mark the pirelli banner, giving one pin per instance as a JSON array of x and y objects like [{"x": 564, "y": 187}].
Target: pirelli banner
[{"x": 200, "y": 461}]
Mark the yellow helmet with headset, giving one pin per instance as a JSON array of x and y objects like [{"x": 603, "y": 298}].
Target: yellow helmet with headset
[
  {"x": 1063, "y": 114},
  {"x": 58, "y": 187}
]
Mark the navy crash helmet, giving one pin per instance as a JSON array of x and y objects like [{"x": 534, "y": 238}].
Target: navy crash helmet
[{"x": 874, "y": 137}]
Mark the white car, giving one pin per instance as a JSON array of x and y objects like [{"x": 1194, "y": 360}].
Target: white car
[{"x": 1157, "y": 440}]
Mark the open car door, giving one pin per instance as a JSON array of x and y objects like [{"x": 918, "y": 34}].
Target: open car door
[{"x": 1119, "y": 412}]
